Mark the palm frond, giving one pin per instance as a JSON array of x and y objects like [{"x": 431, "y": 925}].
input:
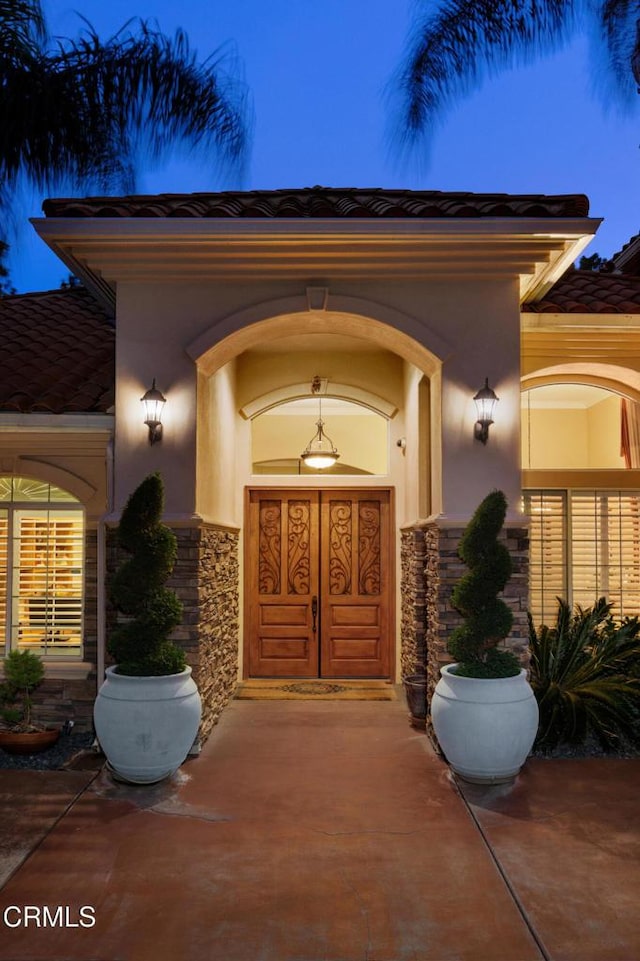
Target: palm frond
[
  {"x": 452, "y": 51},
  {"x": 87, "y": 112},
  {"x": 615, "y": 41},
  {"x": 146, "y": 82},
  {"x": 22, "y": 27},
  {"x": 585, "y": 674}
]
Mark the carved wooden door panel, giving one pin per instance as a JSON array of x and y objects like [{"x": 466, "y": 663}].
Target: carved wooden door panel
[
  {"x": 282, "y": 581},
  {"x": 356, "y": 567},
  {"x": 318, "y": 584}
]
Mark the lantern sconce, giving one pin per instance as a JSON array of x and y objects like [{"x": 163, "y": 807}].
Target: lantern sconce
[
  {"x": 153, "y": 401},
  {"x": 485, "y": 401}
]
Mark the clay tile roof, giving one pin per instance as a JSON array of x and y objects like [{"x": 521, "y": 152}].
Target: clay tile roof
[
  {"x": 627, "y": 259},
  {"x": 57, "y": 353},
  {"x": 324, "y": 202},
  {"x": 591, "y": 292}
]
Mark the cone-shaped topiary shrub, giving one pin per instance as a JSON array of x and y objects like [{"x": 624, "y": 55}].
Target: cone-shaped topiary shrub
[
  {"x": 487, "y": 618},
  {"x": 140, "y": 644}
]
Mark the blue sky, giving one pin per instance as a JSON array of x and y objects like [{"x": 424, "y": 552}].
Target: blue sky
[{"x": 317, "y": 71}]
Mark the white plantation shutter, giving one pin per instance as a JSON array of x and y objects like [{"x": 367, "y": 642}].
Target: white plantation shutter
[
  {"x": 605, "y": 548},
  {"x": 4, "y": 550},
  {"x": 584, "y": 544},
  {"x": 41, "y": 567},
  {"x": 48, "y": 560},
  {"x": 547, "y": 511}
]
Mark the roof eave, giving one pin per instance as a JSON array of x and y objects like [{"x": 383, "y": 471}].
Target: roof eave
[{"x": 102, "y": 251}]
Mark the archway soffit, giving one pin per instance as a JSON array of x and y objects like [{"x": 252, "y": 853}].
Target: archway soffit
[
  {"x": 611, "y": 377},
  {"x": 42, "y": 470},
  {"x": 284, "y": 395},
  {"x": 389, "y": 328}
]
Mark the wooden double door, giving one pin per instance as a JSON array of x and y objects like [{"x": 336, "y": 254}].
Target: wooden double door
[{"x": 319, "y": 582}]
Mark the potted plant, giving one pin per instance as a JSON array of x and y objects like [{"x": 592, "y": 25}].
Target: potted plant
[
  {"x": 484, "y": 713},
  {"x": 415, "y": 691},
  {"x": 148, "y": 709},
  {"x": 23, "y": 673}
]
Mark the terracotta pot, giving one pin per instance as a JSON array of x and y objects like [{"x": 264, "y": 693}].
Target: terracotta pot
[
  {"x": 16, "y": 742},
  {"x": 415, "y": 690}
]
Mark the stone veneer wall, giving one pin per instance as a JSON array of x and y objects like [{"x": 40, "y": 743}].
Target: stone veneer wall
[
  {"x": 443, "y": 570},
  {"x": 219, "y": 621},
  {"x": 413, "y": 637},
  {"x": 59, "y": 699}
]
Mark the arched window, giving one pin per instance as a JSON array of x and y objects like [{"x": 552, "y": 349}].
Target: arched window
[
  {"x": 584, "y": 512},
  {"x": 279, "y": 435},
  {"x": 41, "y": 568}
]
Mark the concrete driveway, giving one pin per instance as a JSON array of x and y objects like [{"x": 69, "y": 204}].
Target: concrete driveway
[{"x": 322, "y": 831}]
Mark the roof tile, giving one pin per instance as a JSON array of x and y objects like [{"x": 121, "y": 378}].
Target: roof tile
[
  {"x": 325, "y": 202},
  {"x": 57, "y": 355},
  {"x": 590, "y": 292}
]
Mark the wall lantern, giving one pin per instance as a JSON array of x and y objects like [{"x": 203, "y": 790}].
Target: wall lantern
[
  {"x": 485, "y": 402},
  {"x": 153, "y": 401},
  {"x": 320, "y": 452}
]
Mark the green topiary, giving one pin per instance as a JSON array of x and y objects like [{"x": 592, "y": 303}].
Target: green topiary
[
  {"x": 23, "y": 672},
  {"x": 487, "y": 618},
  {"x": 140, "y": 645}
]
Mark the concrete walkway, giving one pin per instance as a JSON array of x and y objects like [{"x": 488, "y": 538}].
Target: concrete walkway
[{"x": 323, "y": 831}]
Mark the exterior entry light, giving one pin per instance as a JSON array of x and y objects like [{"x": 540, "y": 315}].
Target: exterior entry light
[
  {"x": 320, "y": 452},
  {"x": 485, "y": 402},
  {"x": 153, "y": 401}
]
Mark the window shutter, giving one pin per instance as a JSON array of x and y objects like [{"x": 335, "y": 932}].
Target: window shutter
[
  {"x": 605, "y": 548},
  {"x": 47, "y": 589},
  {"x": 584, "y": 544},
  {"x": 4, "y": 550},
  {"x": 547, "y": 511}
]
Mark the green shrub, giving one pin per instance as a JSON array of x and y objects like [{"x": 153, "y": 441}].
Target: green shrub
[
  {"x": 488, "y": 620},
  {"x": 585, "y": 673},
  {"x": 140, "y": 644},
  {"x": 23, "y": 672}
]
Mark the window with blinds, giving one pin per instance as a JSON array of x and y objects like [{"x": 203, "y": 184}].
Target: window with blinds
[
  {"x": 4, "y": 550},
  {"x": 584, "y": 544},
  {"x": 548, "y": 557},
  {"x": 41, "y": 568}
]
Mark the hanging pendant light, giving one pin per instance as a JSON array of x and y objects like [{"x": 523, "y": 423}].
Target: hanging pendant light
[{"x": 320, "y": 452}]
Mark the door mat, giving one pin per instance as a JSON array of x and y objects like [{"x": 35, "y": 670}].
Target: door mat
[{"x": 293, "y": 689}]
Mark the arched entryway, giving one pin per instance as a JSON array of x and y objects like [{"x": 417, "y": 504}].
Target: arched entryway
[{"x": 366, "y": 363}]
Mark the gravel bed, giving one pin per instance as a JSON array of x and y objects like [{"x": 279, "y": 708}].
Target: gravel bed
[
  {"x": 69, "y": 745},
  {"x": 590, "y": 748},
  {"x": 53, "y": 759}
]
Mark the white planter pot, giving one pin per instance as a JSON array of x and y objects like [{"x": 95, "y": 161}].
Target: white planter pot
[
  {"x": 146, "y": 725},
  {"x": 485, "y": 726}
]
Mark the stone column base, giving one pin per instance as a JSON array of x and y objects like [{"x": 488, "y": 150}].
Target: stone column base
[{"x": 443, "y": 570}]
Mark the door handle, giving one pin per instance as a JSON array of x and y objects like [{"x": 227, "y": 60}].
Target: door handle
[{"x": 314, "y": 612}]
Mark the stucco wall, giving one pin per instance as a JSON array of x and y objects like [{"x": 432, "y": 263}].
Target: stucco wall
[
  {"x": 471, "y": 326},
  {"x": 72, "y": 458}
]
